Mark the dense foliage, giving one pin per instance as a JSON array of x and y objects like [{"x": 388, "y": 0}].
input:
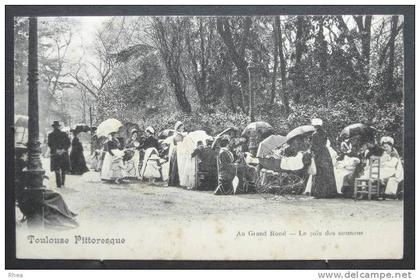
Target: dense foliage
[{"x": 216, "y": 72}]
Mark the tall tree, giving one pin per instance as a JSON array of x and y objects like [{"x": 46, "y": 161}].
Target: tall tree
[
  {"x": 169, "y": 35},
  {"x": 364, "y": 24},
  {"x": 284, "y": 94},
  {"x": 299, "y": 48},
  {"x": 389, "y": 73},
  {"x": 275, "y": 58},
  {"x": 236, "y": 52},
  {"x": 364, "y": 27},
  {"x": 199, "y": 41}
]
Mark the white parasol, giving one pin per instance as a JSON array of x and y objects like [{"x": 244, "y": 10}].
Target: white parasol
[{"x": 108, "y": 126}]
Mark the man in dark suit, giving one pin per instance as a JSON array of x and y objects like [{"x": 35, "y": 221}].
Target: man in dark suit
[{"x": 59, "y": 143}]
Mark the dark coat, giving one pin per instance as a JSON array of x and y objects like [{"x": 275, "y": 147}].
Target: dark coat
[
  {"x": 149, "y": 142},
  {"x": 323, "y": 184},
  {"x": 226, "y": 172},
  {"x": 59, "y": 140},
  {"x": 111, "y": 145},
  {"x": 77, "y": 159}
]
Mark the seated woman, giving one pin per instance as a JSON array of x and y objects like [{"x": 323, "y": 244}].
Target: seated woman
[
  {"x": 207, "y": 165},
  {"x": 343, "y": 168},
  {"x": 391, "y": 168},
  {"x": 367, "y": 150},
  {"x": 50, "y": 207}
]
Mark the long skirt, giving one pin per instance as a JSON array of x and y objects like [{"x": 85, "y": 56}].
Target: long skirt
[
  {"x": 173, "y": 170},
  {"x": 152, "y": 170},
  {"x": 112, "y": 168},
  {"x": 78, "y": 163},
  {"x": 323, "y": 182},
  {"x": 132, "y": 166},
  {"x": 136, "y": 162}
]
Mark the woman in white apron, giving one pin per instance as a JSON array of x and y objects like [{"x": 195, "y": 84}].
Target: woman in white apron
[{"x": 134, "y": 145}]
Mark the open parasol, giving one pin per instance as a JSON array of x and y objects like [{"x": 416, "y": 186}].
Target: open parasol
[
  {"x": 270, "y": 143},
  {"x": 299, "y": 131},
  {"x": 108, "y": 126},
  {"x": 356, "y": 129},
  {"x": 226, "y": 131},
  {"x": 199, "y": 135},
  {"x": 259, "y": 127},
  {"x": 168, "y": 140},
  {"x": 165, "y": 133}
]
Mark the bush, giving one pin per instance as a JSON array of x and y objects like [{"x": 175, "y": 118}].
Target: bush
[{"x": 387, "y": 119}]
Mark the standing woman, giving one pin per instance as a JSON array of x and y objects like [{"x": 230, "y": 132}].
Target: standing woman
[
  {"x": 323, "y": 183},
  {"x": 134, "y": 145},
  {"x": 173, "y": 164},
  {"x": 107, "y": 172},
  {"x": 77, "y": 159}
]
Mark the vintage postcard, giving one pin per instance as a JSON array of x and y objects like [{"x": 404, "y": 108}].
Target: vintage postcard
[{"x": 210, "y": 137}]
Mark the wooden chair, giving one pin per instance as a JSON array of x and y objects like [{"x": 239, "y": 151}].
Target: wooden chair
[{"x": 369, "y": 186}]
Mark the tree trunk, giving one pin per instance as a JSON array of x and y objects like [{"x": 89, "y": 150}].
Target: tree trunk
[
  {"x": 389, "y": 75},
  {"x": 169, "y": 36},
  {"x": 237, "y": 55},
  {"x": 321, "y": 55},
  {"x": 275, "y": 58},
  {"x": 366, "y": 42},
  {"x": 284, "y": 94},
  {"x": 299, "y": 53}
]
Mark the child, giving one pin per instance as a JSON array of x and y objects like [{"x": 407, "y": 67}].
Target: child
[{"x": 153, "y": 168}]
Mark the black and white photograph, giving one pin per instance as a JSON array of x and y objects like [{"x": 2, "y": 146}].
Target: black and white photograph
[{"x": 209, "y": 137}]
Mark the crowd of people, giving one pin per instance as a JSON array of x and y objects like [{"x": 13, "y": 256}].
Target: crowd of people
[{"x": 225, "y": 164}]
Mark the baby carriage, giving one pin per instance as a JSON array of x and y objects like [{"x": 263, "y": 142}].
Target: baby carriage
[
  {"x": 280, "y": 170},
  {"x": 273, "y": 179}
]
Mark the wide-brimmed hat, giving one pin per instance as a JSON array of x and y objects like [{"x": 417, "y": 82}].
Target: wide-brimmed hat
[{"x": 56, "y": 124}]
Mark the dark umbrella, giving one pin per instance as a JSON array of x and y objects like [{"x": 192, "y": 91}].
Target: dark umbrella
[
  {"x": 357, "y": 129},
  {"x": 81, "y": 127},
  {"x": 165, "y": 133},
  {"x": 259, "y": 127}
]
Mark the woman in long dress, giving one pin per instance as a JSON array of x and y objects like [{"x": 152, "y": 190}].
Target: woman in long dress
[
  {"x": 323, "y": 183},
  {"x": 112, "y": 168},
  {"x": 77, "y": 159},
  {"x": 391, "y": 167},
  {"x": 173, "y": 162},
  {"x": 151, "y": 168},
  {"x": 134, "y": 145}
]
